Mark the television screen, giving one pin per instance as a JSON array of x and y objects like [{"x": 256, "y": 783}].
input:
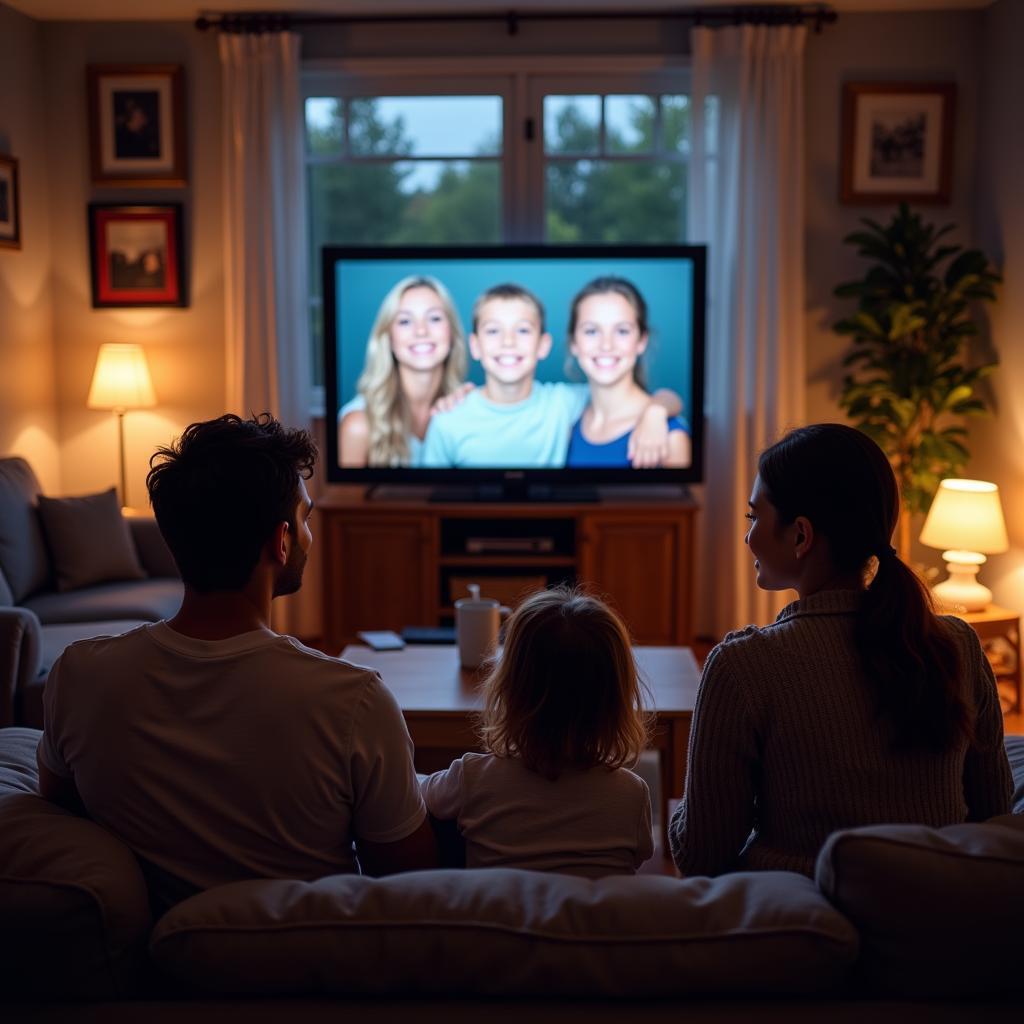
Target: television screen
[{"x": 544, "y": 363}]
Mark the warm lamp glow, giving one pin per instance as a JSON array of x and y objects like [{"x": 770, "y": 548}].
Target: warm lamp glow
[
  {"x": 966, "y": 523},
  {"x": 121, "y": 379}
]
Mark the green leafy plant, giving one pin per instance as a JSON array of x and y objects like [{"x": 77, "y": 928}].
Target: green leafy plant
[{"x": 910, "y": 386}]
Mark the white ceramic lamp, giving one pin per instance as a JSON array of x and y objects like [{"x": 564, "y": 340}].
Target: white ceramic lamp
[
  {"x": 966, "y": 523},
  {"x": 120, "y": 382}
]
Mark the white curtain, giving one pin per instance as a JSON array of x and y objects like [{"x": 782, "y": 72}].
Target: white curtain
[
  {"x": 265, "y": 246},
  {"x": 746, "y": 203},
  {"x": 268, "y": 362}
]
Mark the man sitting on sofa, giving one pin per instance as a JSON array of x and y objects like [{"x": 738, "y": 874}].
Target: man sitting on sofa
[{"x": 217, "y": 749}]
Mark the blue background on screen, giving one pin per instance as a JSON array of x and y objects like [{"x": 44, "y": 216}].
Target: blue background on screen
[{"x": 665, "y": 283}]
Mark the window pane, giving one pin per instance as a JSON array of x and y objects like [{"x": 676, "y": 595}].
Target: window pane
[
  {"x": 450, "y": 201},
  {"x": 435, "y": 201},
  {"x": 572, "y": 124},
  {"x": 608, "y": 201},
  {"x": 426, "y": 126},
  {"x": 325, "y": 125},
  {"x": 675, "y": 123},
  {"x": 629, "y": 123}
]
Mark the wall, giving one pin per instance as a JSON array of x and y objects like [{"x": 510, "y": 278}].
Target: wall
[
  {"x": 28, "y": 407},
  {"x": 185, "y": 347},
  {"x": 931, "y": 46},
  {"x": 999, "y": 443}
]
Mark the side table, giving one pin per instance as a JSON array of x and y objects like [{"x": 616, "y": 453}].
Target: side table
[{"x": 999, "y": 632}]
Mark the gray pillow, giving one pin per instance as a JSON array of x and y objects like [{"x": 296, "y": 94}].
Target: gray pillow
[{"x": 89, "y": 540}]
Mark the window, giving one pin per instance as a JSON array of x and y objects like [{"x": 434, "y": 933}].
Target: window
[
  {"x": 415, "y": 158},
  {"x": 615, "y": 167}
]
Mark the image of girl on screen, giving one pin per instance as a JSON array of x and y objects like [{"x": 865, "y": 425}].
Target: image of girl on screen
[
  {"x": 608, "y": 334},
  {"x": 415, "y": 359}
]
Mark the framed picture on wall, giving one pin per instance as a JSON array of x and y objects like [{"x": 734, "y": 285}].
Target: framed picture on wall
[
  {"x": 10, "y": 219},
  {"x": 897, "y": 142},
  {"x": 136, "y": 255},
  {"x": 137, "y": 124}
]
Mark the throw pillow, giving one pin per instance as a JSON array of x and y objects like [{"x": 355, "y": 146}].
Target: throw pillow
[{"x": 89, "y": 540}]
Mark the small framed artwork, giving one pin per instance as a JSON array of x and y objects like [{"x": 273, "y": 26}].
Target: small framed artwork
[
  {"x": 137, "y": 124},
  {"x": 10, "y": 220},
  {"x": 897, "y": 142},
  {"x": 136, "y": 255}
]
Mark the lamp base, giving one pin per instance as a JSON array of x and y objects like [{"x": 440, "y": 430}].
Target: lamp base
[{"x": 962, "y": 591}]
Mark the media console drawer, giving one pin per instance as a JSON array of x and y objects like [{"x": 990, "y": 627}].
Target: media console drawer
[{"x": 389, "y": 564}]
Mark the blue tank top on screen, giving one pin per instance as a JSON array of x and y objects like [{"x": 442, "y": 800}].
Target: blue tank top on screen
[{"x": 613, "y": 454}]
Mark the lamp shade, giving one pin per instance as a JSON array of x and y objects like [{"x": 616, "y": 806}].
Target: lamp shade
[
  {"x": 966, "y": 516},
  {"x": 121, "y": 379}
]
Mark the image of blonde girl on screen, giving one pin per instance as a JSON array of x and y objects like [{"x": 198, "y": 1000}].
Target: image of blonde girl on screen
[
  {"x": 514, "y": 420},
  {"x": 415, "y": 358},
  {"x": 563, "y": 723},
  {"x": 608, "y": 335}
]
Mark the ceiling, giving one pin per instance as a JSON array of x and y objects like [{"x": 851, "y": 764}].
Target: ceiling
[{"x": 187, "y": 10}]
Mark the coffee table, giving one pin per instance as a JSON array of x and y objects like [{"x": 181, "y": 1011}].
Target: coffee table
[{"x": 438, "y": 699}]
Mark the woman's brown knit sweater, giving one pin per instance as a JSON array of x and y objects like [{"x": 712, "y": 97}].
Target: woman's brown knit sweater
[{"x": 785, "y": 748}]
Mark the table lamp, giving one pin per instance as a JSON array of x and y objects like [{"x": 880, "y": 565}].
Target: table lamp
[
  {"x": 966, "y": 522},
  {"x": 120, "y": 382}
]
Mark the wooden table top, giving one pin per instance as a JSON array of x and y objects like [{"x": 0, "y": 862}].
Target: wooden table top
[{"x": 426, "y": 678}]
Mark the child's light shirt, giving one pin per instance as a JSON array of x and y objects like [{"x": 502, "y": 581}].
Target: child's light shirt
[
  {"x": 492, "y": 435},
  {"x": 590, "y": 823}
]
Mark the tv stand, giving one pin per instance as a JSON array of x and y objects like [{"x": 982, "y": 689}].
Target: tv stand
[
  {"x": 514, "y": 491},
  {"x": 401, "y": 559}
]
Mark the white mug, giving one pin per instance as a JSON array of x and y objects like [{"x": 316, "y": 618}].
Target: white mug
[{"x": 477, "y": 621}]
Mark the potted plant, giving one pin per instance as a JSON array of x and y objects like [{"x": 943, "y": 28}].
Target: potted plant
[{"x": 910, "y": 386}]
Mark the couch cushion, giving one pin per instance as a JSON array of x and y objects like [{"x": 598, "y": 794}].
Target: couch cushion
[
  {"x": 508, "y": 932},
  {"x": 940, "y": 911},
  {"x": 89, "y": 540},
  {"x": 74, "y": 912},
  {"x": 23, "y": 556},
  {"x": 145, "y": 600}
]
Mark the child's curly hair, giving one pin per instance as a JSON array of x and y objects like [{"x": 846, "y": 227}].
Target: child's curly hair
[{"x": 565, "y": 693}]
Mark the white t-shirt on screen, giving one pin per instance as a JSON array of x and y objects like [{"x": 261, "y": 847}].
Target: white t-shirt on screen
[
  {"x": 590, "y": 823},
  {"x": 216, "y": 761}
]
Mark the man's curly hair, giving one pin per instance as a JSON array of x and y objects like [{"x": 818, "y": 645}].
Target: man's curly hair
[{"x": 220, "y": 491}]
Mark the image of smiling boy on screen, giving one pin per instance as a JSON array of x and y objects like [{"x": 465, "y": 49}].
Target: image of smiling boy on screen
[{"x": 514, "y": 420}]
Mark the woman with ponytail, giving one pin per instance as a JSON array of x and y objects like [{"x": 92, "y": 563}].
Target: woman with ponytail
[{"x": 858, "y": 705}]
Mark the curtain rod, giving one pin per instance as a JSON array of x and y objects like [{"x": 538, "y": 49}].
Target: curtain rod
[{"x": 816, "y": 14}]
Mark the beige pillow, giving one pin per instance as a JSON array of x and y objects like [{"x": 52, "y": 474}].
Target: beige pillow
[
  {"x": 74, "y": 912},
  {"x": 508, "y": 932},
  {"x": 89, "y": 540},
  {"x": 940, "y": 911}
]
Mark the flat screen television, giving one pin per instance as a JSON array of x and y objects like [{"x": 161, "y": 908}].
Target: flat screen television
[{"x": 547, "y": 356}]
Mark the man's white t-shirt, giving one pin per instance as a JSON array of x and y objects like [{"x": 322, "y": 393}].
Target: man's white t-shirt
[
  {"x": 215, "y": 761},
  {"x": 591, "y": 823}
]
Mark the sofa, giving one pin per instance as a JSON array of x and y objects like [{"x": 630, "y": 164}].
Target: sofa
[
  {"x": 70, "y": 568},
  {"x": 901, "y": 922}
]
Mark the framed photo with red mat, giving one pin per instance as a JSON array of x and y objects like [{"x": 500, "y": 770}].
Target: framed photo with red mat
[{"x": 137, "y": 256}]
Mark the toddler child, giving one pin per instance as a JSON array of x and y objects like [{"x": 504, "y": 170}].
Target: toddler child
[{"x": 563, "y": 722}]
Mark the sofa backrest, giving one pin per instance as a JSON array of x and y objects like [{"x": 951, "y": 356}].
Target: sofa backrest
[
  {"x": 24, "y": 560},
  {"x": 74, "y": 910},
  {"x": 940, "y": 911},
  {"x": 507, "y": 932}
]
